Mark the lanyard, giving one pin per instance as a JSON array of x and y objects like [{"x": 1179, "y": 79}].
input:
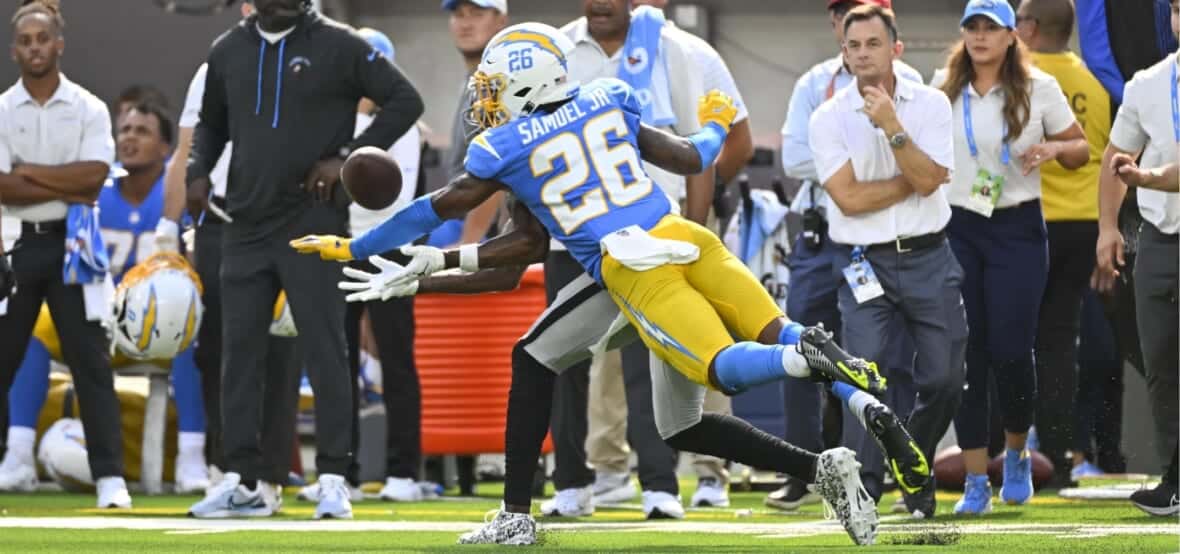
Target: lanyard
[
  {"x": 1175, "y": 107},
  {"x": 858, "y": 254},
  {"x": 1005, "y": 152}
]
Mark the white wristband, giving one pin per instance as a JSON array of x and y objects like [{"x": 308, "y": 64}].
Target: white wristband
[
  {"x": 469, "y": 258},
  {"x": 167, "y": 227}
]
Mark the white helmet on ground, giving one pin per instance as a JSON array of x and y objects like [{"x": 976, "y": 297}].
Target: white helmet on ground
[
  {"x": 523, "y": 66},
  {"x": 157, "y": 309},
  {"x": 62, "y": 452},
  {"x": 282, "y": 324}
]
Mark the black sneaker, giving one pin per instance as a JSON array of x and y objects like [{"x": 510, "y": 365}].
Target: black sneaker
[
  {"x": 921, "y": 505},
  {"x": 830, "y": 362},
  {"x": 906, "y": 461},
  {"x": 791, "y": 496},
  {"x": 1161, "y": 501}
]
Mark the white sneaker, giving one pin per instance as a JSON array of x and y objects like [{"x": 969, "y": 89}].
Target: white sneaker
[
  {"x": 837, "y": 479},
  {"x": 191, "y": 477},
  {"x": 613, "y": 488},
  {"x": 401, "y": 490},
  {"x": 661, "y": 505},
  {"x": 570, "y": 503},
  {"x": 311, "y": 493},
  {"x": 710, "y": 492},
  {"x": 334, "y": 498},
  {"x": 112, "y": 493},
  {"x": 272, "y": 494},
  {"x": 505, "y": 528},
  {"x": 229, "y": 498},
  {"x": 17, "y": 474}
]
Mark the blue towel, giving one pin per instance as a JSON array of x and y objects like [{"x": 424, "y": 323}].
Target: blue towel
[
  {"x": 641, "y": 57},
  {"x": 756, "y": 227},
  {"x": 86, "y": 256}
]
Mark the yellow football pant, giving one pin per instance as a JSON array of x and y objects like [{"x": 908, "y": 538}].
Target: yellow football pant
[{"x": 688, "y": 313}]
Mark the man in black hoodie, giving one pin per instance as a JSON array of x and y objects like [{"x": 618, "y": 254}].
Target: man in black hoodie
[{"x": 283, "y": 85}]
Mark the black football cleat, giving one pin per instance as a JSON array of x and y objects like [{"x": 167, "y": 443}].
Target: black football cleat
[
  {"x": 907, "y": 463},
  {"x": 831, "y": 363}
]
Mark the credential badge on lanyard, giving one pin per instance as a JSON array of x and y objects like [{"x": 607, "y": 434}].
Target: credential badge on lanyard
[
  {"x": 986, "y": 189},
  {"x": 861, "y": 278}
]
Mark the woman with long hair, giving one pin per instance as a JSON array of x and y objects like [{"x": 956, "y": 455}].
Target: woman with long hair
[{"x": 1009, "y": 119}]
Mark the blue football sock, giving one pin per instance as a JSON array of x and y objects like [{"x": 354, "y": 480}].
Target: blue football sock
[
  {"x": 790, "y": 333},
  {"x": 746, "y": 364},
  {"x": 186, "y": 389},
  {"x": 844, "y": 391},
  {"x": 29, "y": 387}
]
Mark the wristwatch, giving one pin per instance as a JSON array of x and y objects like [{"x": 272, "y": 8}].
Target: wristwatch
[{"x": 899, "y": 140}]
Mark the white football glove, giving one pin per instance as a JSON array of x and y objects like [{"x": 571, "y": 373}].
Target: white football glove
[
  {"x": 424, "y": 261},
  {"x": 167, "y": 237},
  {"x": 377, "y": 286}
]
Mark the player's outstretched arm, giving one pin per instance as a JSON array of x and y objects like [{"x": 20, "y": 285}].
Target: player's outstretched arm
[
  {"x": 691, "y": 155},
  {"x": 526, "y": 243},
  {"x": 420, "y": 217},
  {"x": 504, "y": 260},
  {"x": 668, "y": 151},
  {"x": 501, "y": 261}
]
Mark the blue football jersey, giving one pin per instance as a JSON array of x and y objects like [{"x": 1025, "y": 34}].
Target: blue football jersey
[
  {"x": 577, "y": 169},
  {"x": 128, "y": 231}
]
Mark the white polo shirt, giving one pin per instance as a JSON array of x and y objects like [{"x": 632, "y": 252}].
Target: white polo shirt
[
  {"x": 840, "y": 132},
  {"x": 1144, "y": 122},
  {"x": 674, "y": 63},
  {"x": 1050, "y": 114},
  {"x": 714, "y": 71},
  {"x": 190, "y": 116},
  {"x": 73, "y": 126}
]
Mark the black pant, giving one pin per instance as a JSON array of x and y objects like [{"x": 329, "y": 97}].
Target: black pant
[
  {"x": 251, "y": 276},
  {"x": 1098, "y": 412},
  {"x": 37, "y": 263},
  {"x": 657, "y": 460},
  {"x": 279, "y": 405},
  {"x": 393, "y": 328},
  {"x": 1071, "y": 260}
]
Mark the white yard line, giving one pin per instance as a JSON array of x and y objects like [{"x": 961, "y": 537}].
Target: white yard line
[{"x": 767, "y": 530}]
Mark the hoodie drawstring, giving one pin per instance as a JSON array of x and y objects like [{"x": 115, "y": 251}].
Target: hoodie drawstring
[
  {"x": 261, "y": 60},
  {"x": 274, "y": 124}
]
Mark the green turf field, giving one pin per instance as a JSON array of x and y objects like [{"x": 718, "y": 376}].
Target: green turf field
[{"x": 61, "y": 522}]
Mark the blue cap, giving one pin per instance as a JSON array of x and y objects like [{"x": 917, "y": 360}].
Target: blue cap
[
  {"x": 378, "y": 41},
  {"x": 498, "y": 5},
  {"x": 999, "y": 11}
]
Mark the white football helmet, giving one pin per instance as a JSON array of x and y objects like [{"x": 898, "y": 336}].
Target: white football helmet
[
  {"x": 523, "y": 66},
  {"x": 62, "y": 452},
  {"x": 157, "y": 309},
  {"x": 282, "y": 324}
]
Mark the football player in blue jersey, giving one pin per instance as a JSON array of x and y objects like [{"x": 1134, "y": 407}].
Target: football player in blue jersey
[
  {"x": 130, "y": 205},
  {"x": 570, "y": 154}
]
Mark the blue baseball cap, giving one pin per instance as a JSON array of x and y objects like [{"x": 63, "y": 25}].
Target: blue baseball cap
[
  {"x": 999, "y": 11},
  {"x": 378, "y": 41},
  {"x": 498, "y": 5}
]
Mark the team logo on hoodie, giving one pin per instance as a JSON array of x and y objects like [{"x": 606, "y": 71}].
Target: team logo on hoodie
[{"x": 299, "y": 64}]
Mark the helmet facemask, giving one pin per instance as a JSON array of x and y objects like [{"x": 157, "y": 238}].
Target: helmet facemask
[{"x": 487, "y": 108}]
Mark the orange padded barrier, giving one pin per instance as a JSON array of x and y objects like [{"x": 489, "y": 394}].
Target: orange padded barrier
[{"x": 463, "y": 349}]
